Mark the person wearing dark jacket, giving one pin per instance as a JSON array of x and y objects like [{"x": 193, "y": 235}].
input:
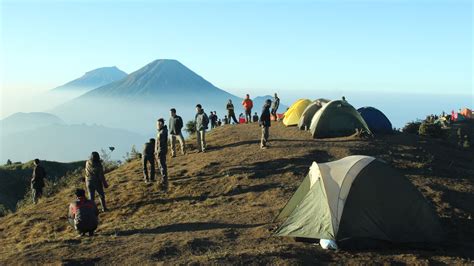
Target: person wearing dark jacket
[
  {"x": 83, "y": 214},
  {"x": 37, "y": 181},
  {"x": 255, "y": 118},
  {"x": 265, "y": 124},
  {"x": 275, "y": 105},
  {"x": 231, "y": 112},
  {"x": 161, "y": 150},
  {"x": 149, "y": 158},
  {"x": 176, "y": 125},
  {"x": 95, "y": 179},
  {"x": 202, "y": 121}
]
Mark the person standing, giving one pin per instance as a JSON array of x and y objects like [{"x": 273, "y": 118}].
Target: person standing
[
  {"x": 176, "y": 125},
  {"x": 37, "y": 181},
  {"x": 83, "y": 214},
  {"x": 95, "y": 179},
  {"x": 213, "y": 119},
  {"x": 149, "y": 158},
  {"x": 161, "y": 150},
  {"x": 231, "y": 112},
  {"x": 248, "y": 105},
  {"x": 202, "y": 122},
  {"x": 275, "y": 105},
  {"x": 265, "y": 123}
]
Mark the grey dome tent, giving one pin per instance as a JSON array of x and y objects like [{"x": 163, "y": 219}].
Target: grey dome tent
[
  {"x": 308, "y": 113},
  {"x": 337, "y": 119},
  {"x": 357, "y": 198}
]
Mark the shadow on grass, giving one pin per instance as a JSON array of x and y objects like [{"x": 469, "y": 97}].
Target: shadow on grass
[{"x": 185, "y": 227}]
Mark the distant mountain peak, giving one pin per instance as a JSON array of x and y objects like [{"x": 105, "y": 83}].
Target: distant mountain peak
[
  {"x": 93, "y": 79},
  {"x": 157, "y": 78}
]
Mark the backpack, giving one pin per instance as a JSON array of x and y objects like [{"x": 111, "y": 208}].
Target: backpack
[
  {"x": 205, "y": 121},
  {"x": 179, "y": 123}
]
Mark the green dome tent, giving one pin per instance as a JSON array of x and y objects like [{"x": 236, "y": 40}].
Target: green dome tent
[
  {"x": 337, "y": 119},
  {"x": 357, "y": 198},
  {"x": 308, "y": 113}
]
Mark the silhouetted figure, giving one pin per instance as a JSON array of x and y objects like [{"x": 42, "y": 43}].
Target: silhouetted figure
[
  {"x": 95, "y": 179},
  {"x": 37, "y": 181},
  {"x": 149, "y": 158},
  {"x": 226, "y": 120},
  {"x": 213, "y": 120},
  {"x": 255, "y": 118},
  {"x": 83, "y": 214},
  {"x": 265, "y": 123},
  {"x": 231, "y": 112},
  {"x": 161, "y": 150},
  {"x": 176, "y": 126}
]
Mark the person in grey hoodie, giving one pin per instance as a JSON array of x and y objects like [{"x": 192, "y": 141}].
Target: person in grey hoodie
[
  {"x": 161, "y": 149},
  {"x": 202, "y": 121},
  {"x": 265, "y": 123},
  {"x": 176, "y": 125}
]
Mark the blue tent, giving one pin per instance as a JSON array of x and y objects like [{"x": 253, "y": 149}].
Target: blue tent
[{"x": 378, "y": 123}]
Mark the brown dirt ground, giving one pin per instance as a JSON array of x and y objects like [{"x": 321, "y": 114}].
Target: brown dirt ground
[{"x": 221, "y": 204}]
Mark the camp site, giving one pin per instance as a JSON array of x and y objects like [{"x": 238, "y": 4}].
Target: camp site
[{"x": 236, "y": 133}]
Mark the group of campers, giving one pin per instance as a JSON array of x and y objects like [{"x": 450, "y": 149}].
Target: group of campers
[{"x": 83, "y": 212}]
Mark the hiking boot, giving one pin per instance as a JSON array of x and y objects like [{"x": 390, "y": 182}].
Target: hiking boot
[
  {"x": 91, "y": 233},
  {"x": 263, "y": 147}
]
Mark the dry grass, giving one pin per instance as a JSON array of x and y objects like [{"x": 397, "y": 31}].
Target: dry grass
[{"x": 221, "y": 205}]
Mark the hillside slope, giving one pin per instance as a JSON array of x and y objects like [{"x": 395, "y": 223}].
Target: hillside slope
[
  {"x": 15, "y": 178},
  {"x": 221, "y": 205}
]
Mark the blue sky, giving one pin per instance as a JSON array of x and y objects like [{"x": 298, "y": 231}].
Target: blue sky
[{"x": 261, "y": 46}]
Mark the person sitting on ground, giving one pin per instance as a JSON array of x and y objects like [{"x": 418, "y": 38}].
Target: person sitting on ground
[
  {"x": 219, "y": 123},
  {"x": 149, "y": 158},
  {"x": 37, "y": 181},
  {"x": 161, "y": 150},
  {"x": 255, "y": 118},
  {"x": 265, "y": 123},
  {"x": 248, "y": 105},
  {"x": 231, "y": 112},
  {"x": 226, "y": 120},
  {"x": 95, "y": 179},
  {"x": 176, "y": 125},
  {"x": 202, "y": 121},
  {"x": 83, "y": 214}
]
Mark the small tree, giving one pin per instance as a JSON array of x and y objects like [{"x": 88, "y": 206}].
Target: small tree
[
  {"x": 191, "y": 127},
  {"x": 132, "y": 155},
  {"x": 108, "y": 164}
]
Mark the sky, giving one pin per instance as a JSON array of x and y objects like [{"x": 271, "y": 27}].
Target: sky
[{"x": 401, "y": 46}]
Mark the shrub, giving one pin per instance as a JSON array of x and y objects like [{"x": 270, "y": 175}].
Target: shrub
[
  {"x": 431, "y": 130},
  {"x": 107, "y": 162},
  {"x": 3, "y": 210},
  {"x": 51, "y": 187},
  {"x": 411, "y": 128},
  {"x": 132, "y": 155},
  {"x": 191, "y": 127}
]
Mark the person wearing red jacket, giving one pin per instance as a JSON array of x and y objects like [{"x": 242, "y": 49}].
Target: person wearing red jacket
[
  {"x": 248, "y": 105},
  {"x": 83, "y": 214}
]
